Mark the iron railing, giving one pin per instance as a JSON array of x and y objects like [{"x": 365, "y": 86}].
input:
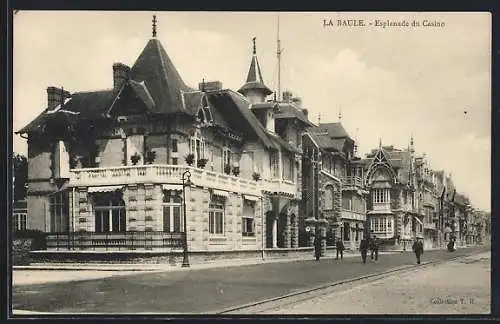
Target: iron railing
[{"x": 146, "y": 240}]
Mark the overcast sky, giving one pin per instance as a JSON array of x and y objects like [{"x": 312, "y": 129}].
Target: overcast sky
[{"x": 388, "y": 82}]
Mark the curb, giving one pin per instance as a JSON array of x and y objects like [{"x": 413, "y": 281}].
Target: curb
[{"x": 166, "y": 267}]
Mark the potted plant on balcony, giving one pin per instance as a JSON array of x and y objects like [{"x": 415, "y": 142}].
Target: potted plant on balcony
[
  {"x": 150, "y": 157},
  {"x": 256, "y": 176},
  {"x": 227, "y": 169},
  {"x": 236, "y": 170},
  {"x": 73, "y": 161},
  {"x": 189, "y": 159},
  {"x": 202, "y": 163},
  {"x": 135, "y": 158}
]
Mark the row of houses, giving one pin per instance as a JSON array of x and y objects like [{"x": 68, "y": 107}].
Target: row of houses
[{"x": 153, "y": 161}]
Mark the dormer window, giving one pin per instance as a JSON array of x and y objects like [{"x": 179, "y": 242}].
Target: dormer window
[{"x": 206, "y": 109}]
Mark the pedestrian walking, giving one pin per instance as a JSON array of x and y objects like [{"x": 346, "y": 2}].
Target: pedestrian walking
[
  {"x": 317, "y": 246},
  {"x": 374, "y": 245},
  {"x": 418, "y": 248},
  {"x": 340, "y": 248},
  {"x": 363, "y": 247}
]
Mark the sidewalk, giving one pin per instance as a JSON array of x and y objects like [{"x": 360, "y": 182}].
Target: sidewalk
[
  {"x": 61, "y": 272},
  {"x": 455, "y": 287}
]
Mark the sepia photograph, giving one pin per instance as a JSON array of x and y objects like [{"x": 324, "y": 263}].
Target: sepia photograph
[{"x": 251, "y": 163}]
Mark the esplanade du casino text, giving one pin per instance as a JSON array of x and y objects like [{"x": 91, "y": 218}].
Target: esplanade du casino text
[{"x": 383, "y": 23}]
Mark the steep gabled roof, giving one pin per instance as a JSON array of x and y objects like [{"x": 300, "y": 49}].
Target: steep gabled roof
[
  {"x": 90, "y": 104},
  {"x": 154, "y": 67},
  {"x": 235, "y": 108},
  {"x": 334, "y": 130},
  {"x": 284, "y": 110}
]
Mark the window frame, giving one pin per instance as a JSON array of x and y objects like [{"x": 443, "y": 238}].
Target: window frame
[
  {"x": 172, "y": 202},
  {"x": 216, "y": 208}
]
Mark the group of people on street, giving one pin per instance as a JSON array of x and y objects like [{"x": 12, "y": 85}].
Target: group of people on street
[{"x": 373, "y": 244}]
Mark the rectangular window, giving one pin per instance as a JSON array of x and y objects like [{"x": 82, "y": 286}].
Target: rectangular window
[
  {"x": 274, "y": 161},
  {"x": 389, "y": 224},
  {"x": 20, "y": 221},
  {"x": 248, "y": 224},
  {"x": 175, "y": 161},
  {"x": 172, "y": 215},
  {"x": 226, "y": 158},
  {"x": 175, "y": 147},
  {"x": 59, "y": 212},
  {"x": 216, "y": 215}
]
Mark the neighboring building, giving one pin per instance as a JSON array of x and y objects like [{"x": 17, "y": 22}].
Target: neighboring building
[
  {"x": 105, "y": 166},
  {"x": 392, "y": 206},
  {"x": 426, "y": 183},
  {"x": 333, "y": 185}
]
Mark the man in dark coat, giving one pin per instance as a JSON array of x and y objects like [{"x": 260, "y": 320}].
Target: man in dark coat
[
  {"x": 339, "y": 245},
  {"x": 418, "y": 248},
  {"x": 374, "y": 247},
  {"x": 363, "y": 247},
  {"x": 317, "y": 246}
]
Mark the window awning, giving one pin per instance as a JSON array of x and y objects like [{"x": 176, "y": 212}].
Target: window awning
[
  {"x": 220, "y": 193},
  {"x": 250, "y": 198},
  {"x": 104, "y": 188},
  {"x": 171, "y": 187},
  {"x": 418, "y": 220}
]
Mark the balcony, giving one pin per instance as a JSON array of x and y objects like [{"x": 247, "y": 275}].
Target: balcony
[
  {"x": 126, "y": 241},
  {"x": 429, "y": 226},
  {"x": 353, "y": 215},
  {"x": 352, "y": 183},
  {"x": 382, "y": 207},
  {"x": 286, "y": 187},
  {"x": 162, "y": 174}
]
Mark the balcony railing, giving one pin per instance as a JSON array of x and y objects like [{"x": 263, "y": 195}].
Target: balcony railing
[
  {"x": 281, "y": 186},
  {"x": 351, "y": 214},
  {"x": 115, "y": 241},
  {"x": 428, "y": 225},
  {"x": 157, "y": 173},
  {"x": 352, "y": 181},
  {"x": 382, "y": 207}
]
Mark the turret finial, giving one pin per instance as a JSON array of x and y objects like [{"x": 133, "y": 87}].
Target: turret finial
[
  {"x": 254, "y": 46},
  {"x": 154, "y": 26}
]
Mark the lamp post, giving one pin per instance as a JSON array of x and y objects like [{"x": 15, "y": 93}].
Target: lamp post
[{"x": 186, "y": 182}]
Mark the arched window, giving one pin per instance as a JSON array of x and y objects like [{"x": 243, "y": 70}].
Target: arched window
[{"x": 329, "y": 194}]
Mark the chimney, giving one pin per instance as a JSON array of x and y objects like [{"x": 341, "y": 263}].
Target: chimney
[
  {"x": 120, "y": 74},
  {"x": 210, "y": 86},
  {"x": 55, "y": 95},
  {"x": 287, "y": 96},
  {"x": 297, "y": 101},
  {"x": 305, "y": 112}
]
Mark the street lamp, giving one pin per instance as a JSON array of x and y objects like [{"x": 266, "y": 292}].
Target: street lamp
[{"x": 186, "y": 182}]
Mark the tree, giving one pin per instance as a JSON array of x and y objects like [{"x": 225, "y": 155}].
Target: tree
[{"x": 20, "y": 166}]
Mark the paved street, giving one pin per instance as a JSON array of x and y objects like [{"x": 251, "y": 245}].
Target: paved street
[
  {"x": 455, "y": 287},
  {"x": 203, "y": 290}
]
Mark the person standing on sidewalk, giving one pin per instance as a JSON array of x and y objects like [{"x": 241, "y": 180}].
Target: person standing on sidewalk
[
  {"x": 317, "y": 246},
  {"x": 418, "y": 248},
  {"x": 339, "y": 245},
  {"x": 363, "y": 247},
  {"x": 374, "y": 247}
]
